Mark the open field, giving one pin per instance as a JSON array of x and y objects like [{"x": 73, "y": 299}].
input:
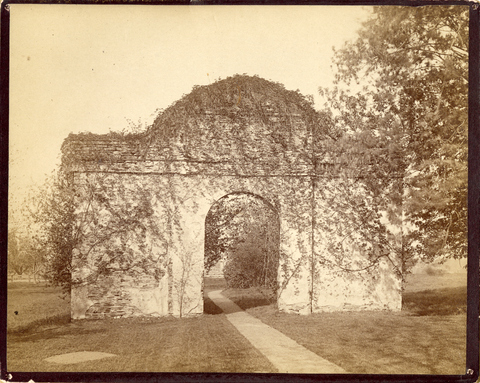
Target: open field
[
  {"x": 427, "y": 337},
  {"x": 422, "y": 282},
  {"x": 32, "y": 305}
]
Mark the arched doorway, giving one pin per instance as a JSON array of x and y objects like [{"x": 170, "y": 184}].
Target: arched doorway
[{"x": 242, "y": 242}]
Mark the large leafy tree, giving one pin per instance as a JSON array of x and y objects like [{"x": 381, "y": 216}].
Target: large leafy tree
[
  {"x": 16, "y": 263},
  {"x": 48, "y": 213},
  {"x": 401, "y": 95}
]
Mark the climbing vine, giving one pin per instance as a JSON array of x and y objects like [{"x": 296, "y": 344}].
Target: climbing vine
[{"x": 130, "y": 196}]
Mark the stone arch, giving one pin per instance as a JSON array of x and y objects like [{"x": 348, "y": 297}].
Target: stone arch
[
  {"x": 205, "y": 146},
  {"x": 263, "y": 233}
]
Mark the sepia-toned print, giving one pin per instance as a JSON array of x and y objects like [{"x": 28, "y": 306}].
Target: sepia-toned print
[{"x": 238, "y": 189}]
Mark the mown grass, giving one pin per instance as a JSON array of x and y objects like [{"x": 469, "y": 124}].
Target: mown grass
[
  {"x": 208, "y": 343},
  {"x": 33, "y": 305},
  {"x": 211, "y": 284},
  {"x": 427, "y": 337},
  {"x": 423, "y": 282},
  {"x": 446, "y": 301},
  {"x": 435, "y": 295},
  {"x": 377, "y": 342},
  {"x": 251, "y": 297}
]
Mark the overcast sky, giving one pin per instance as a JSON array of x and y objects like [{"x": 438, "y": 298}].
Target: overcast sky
[{"x": 76, "y": 68}]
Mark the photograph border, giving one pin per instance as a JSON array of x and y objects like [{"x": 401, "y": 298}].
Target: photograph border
[{"x": 473, "y": 280}]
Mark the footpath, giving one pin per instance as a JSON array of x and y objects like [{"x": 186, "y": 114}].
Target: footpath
[{"x": 284, "y": 353}]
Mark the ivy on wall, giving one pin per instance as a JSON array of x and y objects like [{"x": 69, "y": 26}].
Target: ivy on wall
[{"x": 241, "y": 134}]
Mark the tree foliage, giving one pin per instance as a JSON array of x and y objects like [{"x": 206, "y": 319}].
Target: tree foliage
[
  {"x": 401, "y": 90},
  {"x": 97, "y": 214},
  {"x": 242, "y": 120},
  {"x": 51, "y": 214},
  {"x": 244, "y": 231},
  {"x": 22, "y": 257}
]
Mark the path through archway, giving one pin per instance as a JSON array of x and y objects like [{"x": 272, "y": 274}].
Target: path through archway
[{"x": 242, "y": 237}]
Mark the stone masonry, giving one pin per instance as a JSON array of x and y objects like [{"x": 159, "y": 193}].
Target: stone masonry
[{"x": 141, "y": 204}]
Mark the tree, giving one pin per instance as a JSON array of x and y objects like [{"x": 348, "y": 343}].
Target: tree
[
  {"x": 24, "y": 256},
  {"x": 410, "y": 117},
  {"x": 243, "y": 230},
  {"x": 253, "y": 262},
  {"x": 16, "y": 263},
  {"x": 96, "y": 215},
  {"x": 51, "y": 210}
]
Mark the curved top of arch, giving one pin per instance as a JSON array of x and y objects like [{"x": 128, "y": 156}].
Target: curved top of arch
[{"x": 247, "y": 194}]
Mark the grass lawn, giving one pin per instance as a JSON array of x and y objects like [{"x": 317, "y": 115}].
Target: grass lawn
[
  {"x": 30, "y": 306},
  {"x": 208, "y": 343},
  {"x": 427, "y": 337}
]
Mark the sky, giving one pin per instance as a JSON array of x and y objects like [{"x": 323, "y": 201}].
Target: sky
[
  {"x": 96, "y": 68},
  {"x": 101, "y": 68}
]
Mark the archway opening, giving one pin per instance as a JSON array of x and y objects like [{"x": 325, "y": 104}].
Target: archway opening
[{"x": 242, "y": 243}]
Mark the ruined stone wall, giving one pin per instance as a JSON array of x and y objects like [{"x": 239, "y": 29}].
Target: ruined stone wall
[
  {"x": 353, "y": 268},
  {"x": 120, "y": 267},
  {"x": 173, "y": 238},
  {"x": 142, "y": 200},
  {"x": 162, "y": 273}
]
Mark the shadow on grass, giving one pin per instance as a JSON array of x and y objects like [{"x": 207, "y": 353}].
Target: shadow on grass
[
  {"x": 42, "y": 334},
  {"x": 210, "y": 308},
  {"x": 245, "y": 298},
  {"x": 56, "y": 320},
  {"x": 212, "y": 284},
  {"x": 446, "y": 301},
  {"x": 251, "y": 297}
]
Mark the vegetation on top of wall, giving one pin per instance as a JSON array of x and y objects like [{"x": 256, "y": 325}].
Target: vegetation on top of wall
[
  {"x": 239, "y": 98},
  {"x": 239, "y": 118}
]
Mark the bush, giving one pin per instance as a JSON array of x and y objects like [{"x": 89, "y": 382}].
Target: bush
[{"x": 252, "y": 266}]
